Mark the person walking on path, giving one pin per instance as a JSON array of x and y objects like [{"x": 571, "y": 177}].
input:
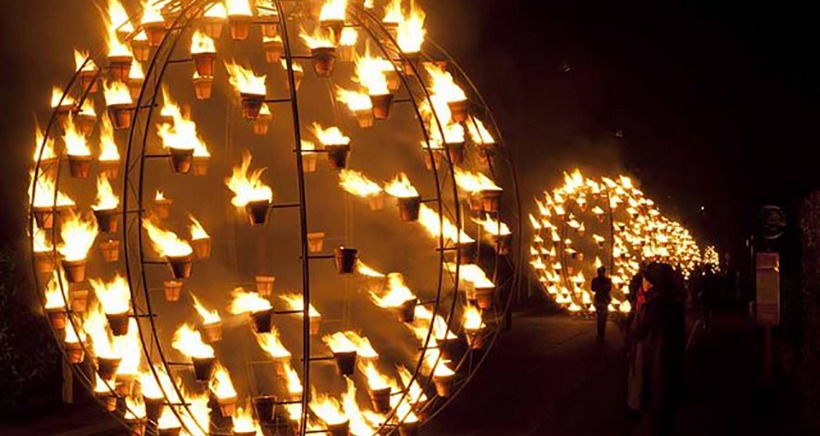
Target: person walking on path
[
  {"x": 602, "y": 287},
  {"x": 659, "y": 341}
]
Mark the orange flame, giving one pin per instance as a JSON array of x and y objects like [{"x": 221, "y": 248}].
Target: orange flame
[
  {"x": 244, "y": 80},
  {"x": 356, "y": 183},
  {"x": 106, "y": 200},
  {"x": 188, "y": 341},
  {"x": 115, "y": 296},
  {"x": 248, "y": 188},
  {"x": 247, "y": 302},
  {"x": 166, "y": 242},
  {"x": 401, "y": 187},
  {"x": 78, "y": 236}
]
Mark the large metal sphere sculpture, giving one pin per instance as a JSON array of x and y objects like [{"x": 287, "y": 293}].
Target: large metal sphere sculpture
[
  {"x": 272, "y": 317},
  {"x": 591, "y": 222}
]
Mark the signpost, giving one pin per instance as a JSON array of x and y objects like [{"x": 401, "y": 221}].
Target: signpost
[{"x": 767, "y": 284}]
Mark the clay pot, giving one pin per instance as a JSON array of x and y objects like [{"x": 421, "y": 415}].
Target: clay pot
[
  {"x": 202, "y": 248},
  {"x": 337, "y": 155},
  {"x": 212, "y": 332},
  {"x": 74, "y": 352},
  {"x": 203, "y": 368},
  {"x": 182, "y": 159},
  {"x": 118, "y": 322},
  {"x": 181, "y": 266},
  {"x": 227, "y": 406},
  {"x": 88, "y": 80},
  {"x": 79, "y": 166},
  {"x": 44, "y": 216},
  {"x": 120, "y": 115},
  {"x": 57, "y": 317},
  {"x": 459, "y": 110},
  {"x": 107, "y": 368},
  {"x": 212, "y": 26},
  {"x": 140, "y": 49},
  {"x": 444, "y": 385},
  {"x": 111, "y": 168},
  {"x": 106, "y": 219},
  {"x": 261, "y": 321},
  {"x": 78, "y": 299},
  {"x": 251, "y": 105},
  {"x": 201, "y": 164},
  {"x": 136, "y": 427},
  {"x": 203, "y": 87},
  {"x": 324, "y": 58},
  {"x": 409, "y": 208},
  {"x": 120, "y": 67},
  {"x": 342, "y": 429},
  {"x": 110, "y": 250},
  {"x": 381, "y": 105},
  {"x": 380, "y": 399},
  {"x": 309, "y": 161},
  {"x": 264, "y": 285},
  {"x": 258, "y": 211},
  {"x": 484, "y": 297},
  {"x": 240, "y": 26},
  {"x": 412, "y": 63},
  {"x": 407, "y": 311},
  {"x": 273, "y": 50},
  {"x": 456, "y": 152},
  {"x": 345, "y": 362},
  {"x": 204, "y": 63},
  {"x": 162, "y": 207},
  {"x": 261, "y": 124},
  {"x": 346, "y": 258},
  {"x": 264, "y": 408},
  {"x": 85, "y": 123},
  {"x": 490, "y": 199},
  {"x": 45, "y": 261},
  {"x": 153, "y": 408},
  {"x": 75, "y": 270},
  {"x": 316, "y": 241},
  {"x": 155, "y": 32},
  {"x": 173, "y": 290},
  {"x": 364, "y": 117},
  {"x": 376, "y": 201}
]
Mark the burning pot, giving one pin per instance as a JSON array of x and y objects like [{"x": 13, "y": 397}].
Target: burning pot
[
  {"x": 203, "y": 368},
  {"x": 162, "y": 207},
  {"x": 316, "y": 241},
  {"x": 110, "y": 250},
  {"x": 118, "y": 322},
  {"x": 203, "y": 87},
  {"x": 261, "y": 321},
  {"x": 202, "y": 248},
  {"x": 309, "y": 161},
  {"x": 107, "y": 367},
  {"x": 106, "y": 219},
  {"x": 212, "y": 332},
  {"x": 364, "y": 117},
  {"x": 120, "y": 67},
  {"x": 135, "y": 87},
  {"x": 182, "y": 159},
  {"x": 345, "y": 361},
  {"x": 406, "y": 312},
  {"x": 85, "y": 123},
  {"x": 262, "y": 123},
  {"x": 409, "y": 208},
  {"x": 227, "y": 406},
  {"x": 411, "y": 63},
  {"x": 264, "y": 408},
  {"x": 153, "y": 408},
  {"x": 484, "y": 297},
  {"x": 264, "y": 285},
  {"x": 315, "y": 324},
  {"x": 258, "y": 211},
  {"x": 173, "y": 290},
  {"x": 273, "y": 50},
  {"x": 251, "y": 105},
  {"x": 459, "y": 110},
  {"x": 380, "y": 399},
  {"x": 45, "y": 261},
  {"x": 125, "y": 384},
  {"x": 155, "y": 32},
  {"x": 79, "y": 166},
  {"x": 240, "y": 26},
  {"x": 74, "y": 352},
  {"x": 171, "y": 431},
  {"x": 88, "y": 80},
  {"x": 490, "y": 199},
  {"x": 337, "y": 155},
  {"x": 78, "y": 299},
  {"x": 181, "y": 266},
  {"x": 108, "y": 400},
  {"x": 324, "y": 58},
  {"x": 381, "y": 105},
  {"x": 120, "y": 115},
  {"x": 212, "y": 26},
  {"x": 140, "y": 49},
  {"x": 44, "y": 215},
  {"x": 136, "y": 426},
  {"x": 57, "y": 317},
  {"x": 110, "y": 167},
  {"x": 346, "y": 258},
  {"x": 204, "y": 63},
  {"x": 340, "y": 429},
  {"x": 393, "y": 80},
  {"x": 201, "y": 165},
  {"x": 376, "y": 201},
  {"x": 456, "y": 152},
  {"x": 75, "y": 270},
  {"x": 444, "y": 384}
]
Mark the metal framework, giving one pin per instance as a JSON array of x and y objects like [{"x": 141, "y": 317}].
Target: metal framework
[{"x": 447, "y": 201}]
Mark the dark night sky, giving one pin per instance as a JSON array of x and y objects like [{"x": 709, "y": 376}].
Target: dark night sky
[{"x": 715, "y": 99}]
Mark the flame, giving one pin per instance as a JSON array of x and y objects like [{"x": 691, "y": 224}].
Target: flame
[
  {"x": 135, "y": 408},
  {"x": 271, "y": 343},
  {"x": 440, "y": 330},
  {"x": 339, "y": 342},
  {"x": 136, "y": 74},
  {"x": 367, "y": 271},
  {"x": 54, "y": 297},
  {"x": 472, "y": 273},
  {"x": 410, "y": 33},
  {"x": 443, "y": 84},
  {"x": 188, "y": 341},
  {"x": 317, "y": 38},
  {"x": 75, "y": 141},
  {"x": 294, "y": 384},
  {"x": 474, "y": 181},
  {"x": 437, "y": 226},
  {"x": 239, "y": 8},
  {"x": 197, "y": 231},
  {"x": 95, "y": 325},
  {"x": 152, "y": 11},
  {"x": 356, "y": 183},
  {"x": 401, "y": 187},
  {"x": 349, "y": 37},
  {"x": 397, "y": 292},
  {"x": 106, "y": 200},
  {"x": 296, "y": 302},
  {"x": 199, "y": 414},
  {"x": 217, "y": 10},
  {"x": 243, "y": 422},
  {"x": 333, "y": 10},
  {"x": 375, "y": 379},
  {"x": 166, "y": 242},
  {"x": 393, "y": 13},
  {"x": 115, "y": 296},
  {"x": 247, "y": 302},
  {"x": 478, "y": 133},
  {"x": 370, "y": 73},
  {"x": 117, "y": 93},
  {"x": 472, "y": 319},
  {"x": 202, "y": 43},
  {"x": 80, "y": 61},
  {"x": 72, "y": 336},
  {"x": 118, "y": 17},
  {"x": 247, "y": 189},
  {"x": 359, "y": 425},
  {"x": 77, "y": 235},
  {"x": 363, "y": 347},
  {"x": 57, "y": 94},
  {"x": 355, "y": 101},
  {"x": 245, "y": 81},
  {"x": 328, "y": 409},
  {"x": 101, "y": 387},
  {"x": 296, "y": 66},
  {"x": 153, "y": 387},
  {"x": 208, "y": 316},
  {"x": 116, "y": 20},
  {"x": 329, "y": 136},
  {"x": 415, "y": 393},
  {"x": 168, "y": 420},
  {"x": 493, "y": 226},
  {"x": 109, "y": 152},
  {"x": 44, "y": 150},
  {"x": 130, "y": 348},
  {"x": 182, "y": 133},
  {"x": 221, "y": 384},
  {"x": 45, "y": 195}
]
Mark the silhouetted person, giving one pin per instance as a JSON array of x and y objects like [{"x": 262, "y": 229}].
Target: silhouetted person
[
  {"x": 602, "y": 287},
  {"x": 659, "y": 336},
  {"x": 708, "y": 295}
]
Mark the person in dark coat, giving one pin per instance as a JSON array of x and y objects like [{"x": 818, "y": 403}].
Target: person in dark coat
[
  {"x": 602, "y": 287},
  {"x": 659, "y": 336}
]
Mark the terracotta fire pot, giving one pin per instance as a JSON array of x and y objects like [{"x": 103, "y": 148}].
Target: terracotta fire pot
[
  {"x": 74, "y": 352},
  {"x": 153, "y": 408},
  {"x": 85, "y": 123},
  {"x": 345, "y": 362},
  {"x": 227, "y": 406},
  {"x": 324, "y": 58},
  {"x": 337, "y": 155},
  {"x": 456, "y": 152},
  {"x": 484, "y": 297},
  {"x": 212, "y": 332},
  {"x": 88, "y": 80},
  {"x": 120, "y": 67},
  {"x": 251, "y": 105},
  {"x": 444, "y": 385},
  {"x": 136, "y": 427},
  {"x": 201, "y": 247},
  {"x": 182, "y": 159},
  {"x": 364, "y": 117},
  {"x": 240, "y": 26},
  {"x": 273, "y": 50},
  {"x": 269, "y": 30},
  {"x": 204, "y": 63},
  {"x": 380, "y": 399},
  {"x": 155, "y": 32},
  {"x": 376, "y": 201},
  {"x": 409, "y": 208},
  {"x": 203, "y": 368},
  {"x": 110, "y": 168},
  {"x": 45, "y": 261},
  {"x": 264, "y": 285},
  {"x": 120, "y": 115},
  {"x": 173, "y": 290},
  {"x": 459, "y": 110},
  {"x": 75, "y": 270},
  {"x": 407, "y": 311},
  {"x": 181, "y": 266},
  {"x": 162, "y": 207},
  {"x": 346, "y": 258},
  {"x": 393, "y": 80},
  {"x": 78, "y": 298},
  {"x": 341, "y": 429},
  {"x": 107, "y": 368},
  {"x": 118, "y": 322},
  {"x": 106, "y": 219},
  {"x": 381, "y": 105},
  {"x": 79, "y": 166},
  {"x": 57, "y": 317},
  {"x": 412, "y": 63},
  {"x": 309, "y": 161},
  {"x": 490, "y": 199},
  {"x": 203, "y": 87},
  {"x": 261, "y": 321},
  {"x": 44, "y": 215},
  {"x": 173, "y": 431},
  {"x": 201, "y": 164},
  {"x": 261, "y": 124},
  {"x": 258, "y": 211},
  {"x": 110, "y": 250},
  {"x": 315, "y": 325},
  {"x": 212, "y": 26},
  {"x": 140, "y": 49},
  {"x": 316, "y": 241},
  {"x": 264, "y": 408},
  {"x": 108, "y": 400}
]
